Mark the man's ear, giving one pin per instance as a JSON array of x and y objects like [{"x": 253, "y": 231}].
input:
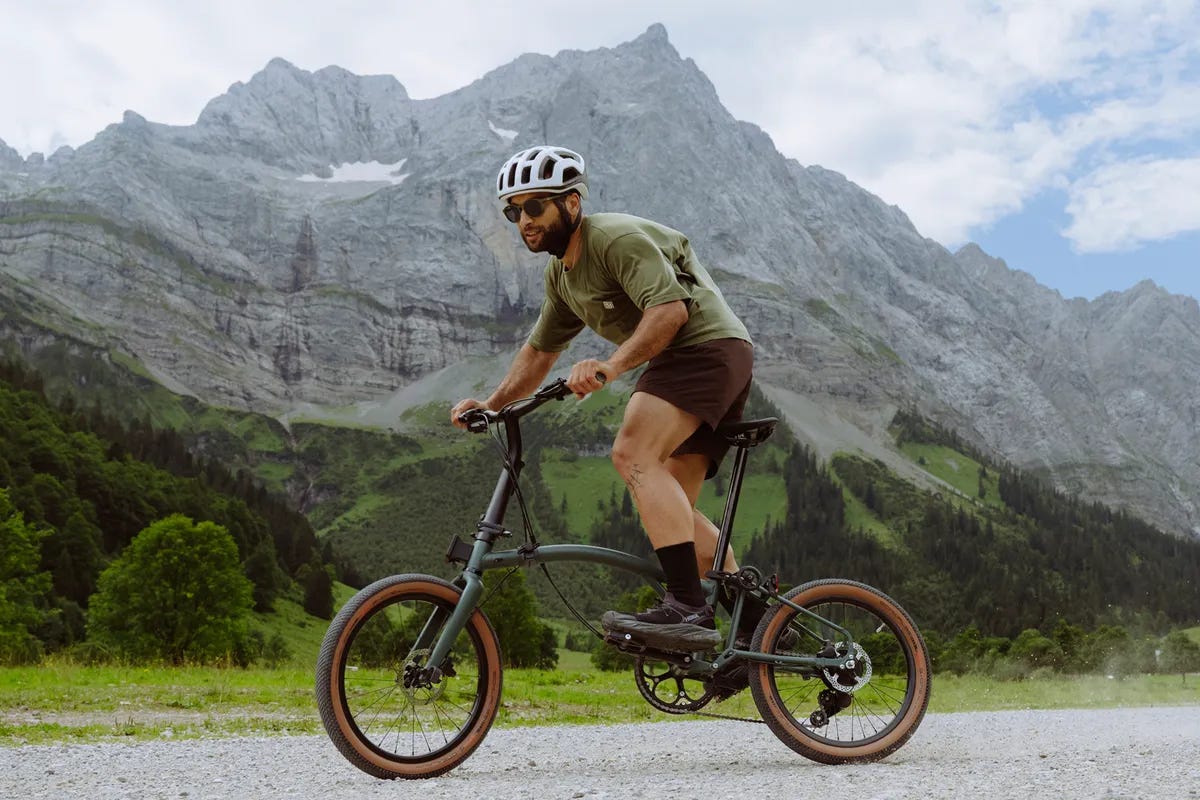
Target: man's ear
[{"x": 574, "y": 204}]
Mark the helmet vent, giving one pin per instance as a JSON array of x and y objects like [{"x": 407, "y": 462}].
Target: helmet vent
[{"x": 543, "y": 169}]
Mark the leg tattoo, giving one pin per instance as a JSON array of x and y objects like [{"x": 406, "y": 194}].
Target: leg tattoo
[{"x": 634, "y": 481}]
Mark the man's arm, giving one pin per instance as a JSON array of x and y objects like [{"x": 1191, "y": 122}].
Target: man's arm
[
  {"x": 526, "y": 373},
  {"x": 656, "y": 330}
]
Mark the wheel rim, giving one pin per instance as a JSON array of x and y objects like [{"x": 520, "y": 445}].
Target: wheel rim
[
  {"x": 879, "y": 690},
  {"x": 413, "y": 723}
]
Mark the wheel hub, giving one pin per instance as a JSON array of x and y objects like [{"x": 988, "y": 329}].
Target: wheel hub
[{"x": 854, "y": 673}]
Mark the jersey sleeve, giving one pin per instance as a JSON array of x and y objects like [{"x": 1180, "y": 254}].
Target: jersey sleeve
[
  {"x": 644, "y": 272},
  {"x": 556, "y": 325}
]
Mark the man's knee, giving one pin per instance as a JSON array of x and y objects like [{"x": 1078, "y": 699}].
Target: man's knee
[{"x": 626, "y": 456}]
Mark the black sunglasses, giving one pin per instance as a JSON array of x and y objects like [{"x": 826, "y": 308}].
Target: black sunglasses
[{"x": 534, "y": 207}]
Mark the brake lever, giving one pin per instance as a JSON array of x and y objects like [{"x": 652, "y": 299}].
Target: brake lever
[{"x": 475, "y": 419}]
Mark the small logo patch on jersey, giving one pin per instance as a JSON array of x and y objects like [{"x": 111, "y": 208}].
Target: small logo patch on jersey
[{"x": 609, "y": 304}]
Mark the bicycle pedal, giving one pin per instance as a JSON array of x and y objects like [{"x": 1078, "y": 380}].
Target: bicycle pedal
[
  {"x": 628, "y": 643},
  {"x": 625, "y": 642}
]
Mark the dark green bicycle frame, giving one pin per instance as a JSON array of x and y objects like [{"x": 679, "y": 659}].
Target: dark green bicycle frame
[{"x": 490, "y": 527}]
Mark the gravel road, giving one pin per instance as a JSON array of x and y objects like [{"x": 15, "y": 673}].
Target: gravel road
[{"x": 1073, "y": 755}]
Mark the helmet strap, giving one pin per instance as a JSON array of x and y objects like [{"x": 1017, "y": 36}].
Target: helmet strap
[{"x": 571, "y": 226}]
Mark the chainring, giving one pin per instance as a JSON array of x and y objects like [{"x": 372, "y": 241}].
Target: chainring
[{"x": 666, "y": 688}]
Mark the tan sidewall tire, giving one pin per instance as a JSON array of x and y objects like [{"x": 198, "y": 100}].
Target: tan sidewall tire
[
  {"x": 780, "y": 720},
  {"x": 337, "y": 723}
]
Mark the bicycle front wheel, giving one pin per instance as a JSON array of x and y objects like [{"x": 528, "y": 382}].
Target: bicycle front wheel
[
  {"x": 379, "y": 714},
  {"x": 856, "y": 714}
]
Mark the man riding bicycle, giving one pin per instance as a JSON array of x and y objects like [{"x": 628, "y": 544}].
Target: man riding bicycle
[{"x": 638, "y": 285}]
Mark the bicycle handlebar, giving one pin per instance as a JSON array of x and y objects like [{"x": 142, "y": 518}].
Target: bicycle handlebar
[{"x": 477, "y": 420}]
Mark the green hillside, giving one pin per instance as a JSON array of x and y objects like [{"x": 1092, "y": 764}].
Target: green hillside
[
  {"x": 297, "y": 634},
  {"x": 76, "y": 489},
  {"x": 1016, "y": 555}
]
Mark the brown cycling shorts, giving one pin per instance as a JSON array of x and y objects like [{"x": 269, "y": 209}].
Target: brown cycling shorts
[{"x": 710, "y": 380}]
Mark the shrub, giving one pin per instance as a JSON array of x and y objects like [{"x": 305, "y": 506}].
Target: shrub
[{"x": 176, "y": 593}]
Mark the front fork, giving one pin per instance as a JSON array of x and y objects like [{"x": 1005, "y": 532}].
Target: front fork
[{"x": 442, "y": 629}]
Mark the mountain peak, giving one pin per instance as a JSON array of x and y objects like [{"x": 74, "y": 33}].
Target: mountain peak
[
  {"x": 9, "y": 158},
  {"x": 656, "y": 33},
  {"x": 281, "y": 64},
  {"x": 654, "y": 40},
  {"x": 293, "y": 118}
]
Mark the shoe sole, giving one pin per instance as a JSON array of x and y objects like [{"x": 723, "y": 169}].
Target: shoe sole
[{"x": 679, "y": 635}]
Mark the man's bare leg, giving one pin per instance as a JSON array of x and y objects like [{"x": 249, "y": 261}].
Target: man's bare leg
[
  {"x": 690, "y": 470},
  {"x": 650, "y": 432}
]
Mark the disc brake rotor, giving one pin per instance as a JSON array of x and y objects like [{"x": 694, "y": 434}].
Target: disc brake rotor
[{"x": 850, "y": 679}]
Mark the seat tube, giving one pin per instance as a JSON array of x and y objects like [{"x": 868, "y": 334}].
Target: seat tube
[{"x": 731, "y": 502}]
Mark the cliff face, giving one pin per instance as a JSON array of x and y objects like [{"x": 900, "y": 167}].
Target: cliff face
[{"x": 321, "y": 239}]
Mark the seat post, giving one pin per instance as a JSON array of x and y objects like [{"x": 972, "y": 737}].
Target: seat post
[{"x": 731, "y": 501}]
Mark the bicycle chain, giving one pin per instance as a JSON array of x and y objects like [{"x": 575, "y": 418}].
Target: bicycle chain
[{"x": 727, "y": 716}]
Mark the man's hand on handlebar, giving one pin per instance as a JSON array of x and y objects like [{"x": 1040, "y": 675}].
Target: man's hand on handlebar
[
  {"x": 462, "y": 407},
  {"x": 589, "y": 376}
]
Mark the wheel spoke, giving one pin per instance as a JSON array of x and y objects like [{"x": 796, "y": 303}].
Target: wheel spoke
[
  {"x": 388, "y": 710},
  {"x": 844, "y": 708}
]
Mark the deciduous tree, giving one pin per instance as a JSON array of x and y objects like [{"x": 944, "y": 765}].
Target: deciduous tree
[{"x": 176, "y": 593}]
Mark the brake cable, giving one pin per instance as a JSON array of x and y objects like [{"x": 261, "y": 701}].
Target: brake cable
[{"x": 530, "y": 535}]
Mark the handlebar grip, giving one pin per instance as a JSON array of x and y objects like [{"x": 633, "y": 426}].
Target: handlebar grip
[{"x": 475, "y": 419}]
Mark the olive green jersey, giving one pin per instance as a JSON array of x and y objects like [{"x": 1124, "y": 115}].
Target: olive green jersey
[{"x": 627, "y": 264}]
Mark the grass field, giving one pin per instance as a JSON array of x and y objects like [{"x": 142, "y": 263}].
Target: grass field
[
  {"x": 588, "y": 481},
  {"x": 956, "y": 469},
  {"x": 56, "y": 703}
]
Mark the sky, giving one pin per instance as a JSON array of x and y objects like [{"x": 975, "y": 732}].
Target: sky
[{"x": 1063, "y": 137}]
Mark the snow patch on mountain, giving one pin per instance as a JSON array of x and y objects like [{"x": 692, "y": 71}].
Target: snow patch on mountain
[{"x": 362, "y": 172}]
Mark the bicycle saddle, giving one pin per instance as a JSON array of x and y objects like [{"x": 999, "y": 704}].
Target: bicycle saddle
[{"x": 749, "y": 432}]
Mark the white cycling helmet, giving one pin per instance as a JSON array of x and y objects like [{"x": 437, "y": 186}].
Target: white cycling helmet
[{"x": 542, "y": 169}]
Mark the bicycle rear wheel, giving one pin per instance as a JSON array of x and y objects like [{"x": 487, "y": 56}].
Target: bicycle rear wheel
[
  {"x": 846, "y": 715},
  {"x": 379, "y": 715}
]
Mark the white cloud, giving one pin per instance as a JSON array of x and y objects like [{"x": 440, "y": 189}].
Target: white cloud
[
  {"x": 959, "y": 113},
  {"x": 1122, "y": 205}
]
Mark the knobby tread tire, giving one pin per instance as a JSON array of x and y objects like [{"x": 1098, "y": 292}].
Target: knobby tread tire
[
  {"x": 782, "y": 723},
  {"x": 330, "y": 690}
]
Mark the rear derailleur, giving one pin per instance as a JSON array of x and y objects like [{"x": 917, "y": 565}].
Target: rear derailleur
[
  {"x": 840, "y": 684},
  {"x": 831, "y": 703}
]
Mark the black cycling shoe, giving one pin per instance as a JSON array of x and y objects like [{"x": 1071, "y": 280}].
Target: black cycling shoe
[{"x": 670, "y": 624}]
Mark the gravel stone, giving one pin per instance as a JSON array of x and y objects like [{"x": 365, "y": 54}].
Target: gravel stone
[{"x": 1114, "y": 754}]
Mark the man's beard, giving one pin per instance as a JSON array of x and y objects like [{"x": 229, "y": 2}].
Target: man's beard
[{"x": 555, "y": 238}]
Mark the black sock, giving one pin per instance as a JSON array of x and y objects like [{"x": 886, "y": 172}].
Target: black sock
[{"x": 683, "y": 577}]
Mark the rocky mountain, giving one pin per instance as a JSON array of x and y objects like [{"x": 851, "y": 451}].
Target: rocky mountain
[
  {"x": 10, "y": 159},
  {"x": 320, "y": 240}
]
